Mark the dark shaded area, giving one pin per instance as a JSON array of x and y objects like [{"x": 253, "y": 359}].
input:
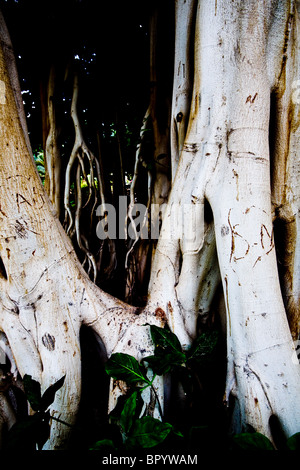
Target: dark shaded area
[
  {"x": 107, "y": 43},
  {"x": 110, "y": 38}
]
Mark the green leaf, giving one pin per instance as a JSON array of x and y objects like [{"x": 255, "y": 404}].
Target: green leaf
[
  {"x": 293, "y": 442},
  {"x": 148, "y": 432},
  {"x": 32, "y": 390},
  {"x": 165, "y": 339},
  {"x": 128, "y": 413},
  {"x": 43, "y": 430},
  {"x": 122, "y": 366},
  {"x": 103, "y": 444},
  {"x": 252, "y": 441},
  {"x": 203, "y": 347},
  {"x": 49, "y": 395}
]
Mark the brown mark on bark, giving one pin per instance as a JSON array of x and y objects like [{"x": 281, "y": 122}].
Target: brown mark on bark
[
  {"x": 191, "y": 147},
  {"x": 2, "y": 212},
  {"x": 258, "y": 259},
  {"x": 20, "y": 230},
  {"x": 232, "y": 237},
  {"x": 120, "y": 385}
]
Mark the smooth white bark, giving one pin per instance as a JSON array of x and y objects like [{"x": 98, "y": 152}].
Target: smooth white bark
[
  {"x": 225, "y": 159},
  {"x": 183, "y": 76}
]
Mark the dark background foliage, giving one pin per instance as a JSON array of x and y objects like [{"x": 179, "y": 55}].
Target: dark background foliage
[{"x": 108, "y": 43}]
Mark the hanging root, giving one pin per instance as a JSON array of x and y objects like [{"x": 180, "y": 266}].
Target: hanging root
[
  {"x": 84, "y": 156},
  {"x": 130, "y": 264},
  {"x": 52, "y": 154}
]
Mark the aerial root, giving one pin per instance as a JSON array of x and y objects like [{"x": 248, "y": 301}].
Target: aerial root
[{"x": 84, "y": 157}]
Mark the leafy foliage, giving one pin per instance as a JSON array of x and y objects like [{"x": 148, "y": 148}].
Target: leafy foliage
[
  {"x": 252, "y": 441},
  {"x": 144, "y": 432},
  {"x": 293, "y": 443},
  {"x": 136, "y": 429},
  {"x": 203, "y": 348},
  {"x": 255, "y": 441},
  {"x": 168, "y": 352},
  {"x": 148, "y": 432},
  {"x": 138, "y": 432},
  {"x": 40, "y": 164},
  {"x": 34, "y": 430}
]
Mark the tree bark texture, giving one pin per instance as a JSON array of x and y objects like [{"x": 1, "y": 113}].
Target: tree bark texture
[{"x": 227, "y": 89}]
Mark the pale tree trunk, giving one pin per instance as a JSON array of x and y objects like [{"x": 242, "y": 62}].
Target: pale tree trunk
[
  {"x": 45, "y": 294},
  {"x": 9, "y": 56},
  {"x": 226, "y": 161}
]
